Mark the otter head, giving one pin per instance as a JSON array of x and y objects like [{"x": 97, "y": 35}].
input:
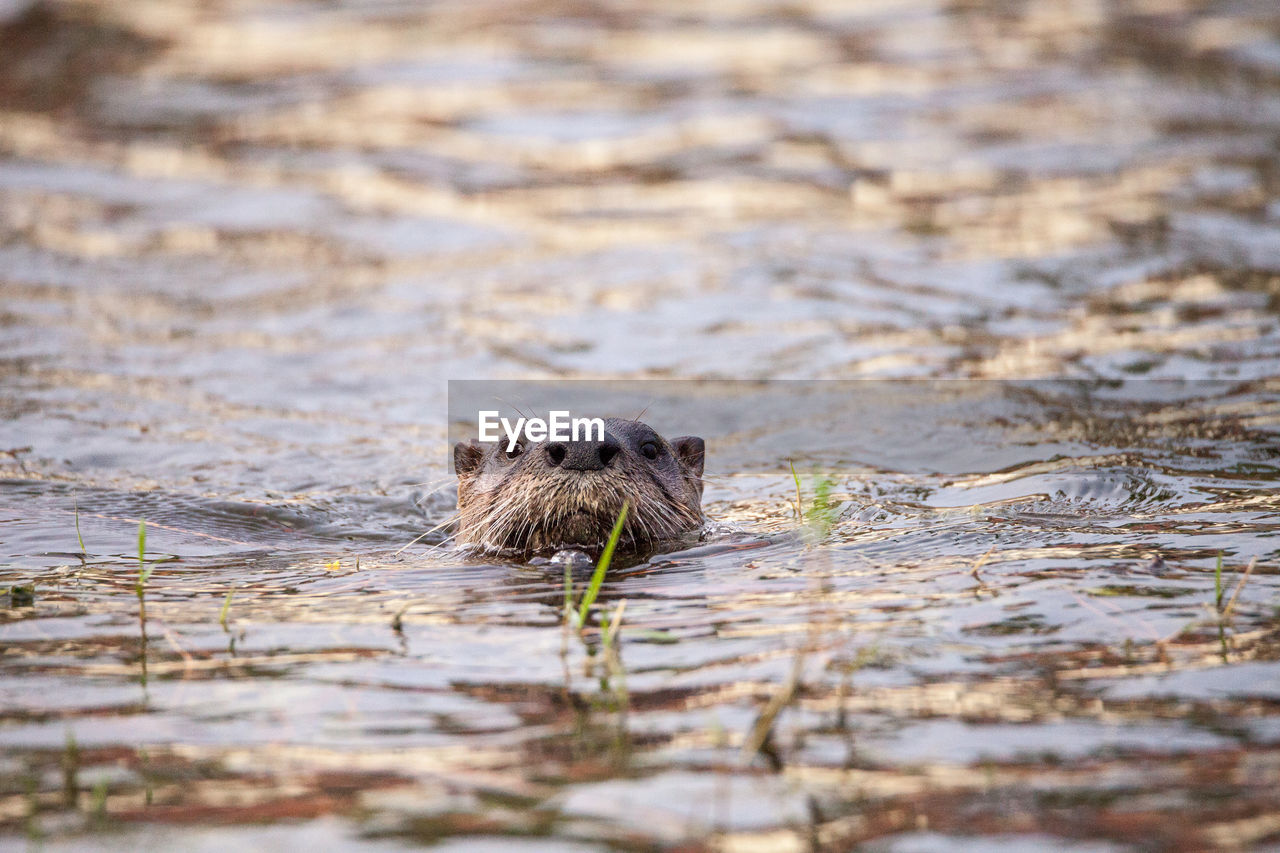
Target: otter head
[{"x": 542, "y": 496}]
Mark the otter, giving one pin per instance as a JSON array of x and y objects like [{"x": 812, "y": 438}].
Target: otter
[{"x": 545, "y": 496}]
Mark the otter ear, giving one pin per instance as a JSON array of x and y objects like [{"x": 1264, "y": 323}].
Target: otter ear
[
  {"x": 467, "y": 456},
  {"x": 692, "y": 453}
]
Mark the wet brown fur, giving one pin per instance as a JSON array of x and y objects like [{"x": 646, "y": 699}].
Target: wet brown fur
[{"x": 530, "y": 504}]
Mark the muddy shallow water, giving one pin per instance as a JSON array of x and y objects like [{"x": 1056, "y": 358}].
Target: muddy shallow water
[{"x": 243, "y": 247}]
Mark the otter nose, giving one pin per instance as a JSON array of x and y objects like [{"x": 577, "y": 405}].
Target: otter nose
[{"x": 582, "y": 455}]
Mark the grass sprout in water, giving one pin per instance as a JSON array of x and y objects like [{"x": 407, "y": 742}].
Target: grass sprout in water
[
  {"x": 822, "y": 513},
  {"x": 226, "y": 609},
  {"x": 79, "y": 538},
  {"x": 604, "y": 659},
  {"x": 1235, "y": 594},
  {"x": 1217, "y": 584},
  {"x": 799, "y": 500},
  {"x": 144, "y": 574},
  {"x": 597, "y": 577}
]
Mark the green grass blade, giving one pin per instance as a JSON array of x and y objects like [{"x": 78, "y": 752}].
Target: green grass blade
[
  {"x": 799, "y": 501},
  {"x": 597, "y": 578},
  {"x": 226, "y": 608},
  {"x": 79, "y": 538},
  {"x": 144, "y": 571},
  {"x": 1217, "y": 582},
  {"x": 614, "y": 626},
  {"x": 821, "y": 510}
]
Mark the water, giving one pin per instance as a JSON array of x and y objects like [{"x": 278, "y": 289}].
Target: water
[{"x": 243, "y": 247}]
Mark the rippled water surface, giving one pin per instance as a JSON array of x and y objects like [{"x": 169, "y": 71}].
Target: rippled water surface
[{"x": 244, "y": 245}]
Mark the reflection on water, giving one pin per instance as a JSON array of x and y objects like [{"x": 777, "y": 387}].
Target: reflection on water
[{"x": 243, "y": 247}]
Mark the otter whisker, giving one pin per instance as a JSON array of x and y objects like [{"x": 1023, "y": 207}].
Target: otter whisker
[
  {"x": 427, "y": 533},
  {"x": 519, "y": 411},
  {"x": 430, "y": 492},
  {"x": 438, "y": 481}
]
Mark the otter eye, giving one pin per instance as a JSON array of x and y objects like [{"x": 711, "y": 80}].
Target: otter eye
[
  {"x": 515, "y": 451},
  {"x": 649, "y": 449}
]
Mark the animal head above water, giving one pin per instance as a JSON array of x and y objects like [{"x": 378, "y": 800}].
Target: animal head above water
[{"x": 540, "y": 496}]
